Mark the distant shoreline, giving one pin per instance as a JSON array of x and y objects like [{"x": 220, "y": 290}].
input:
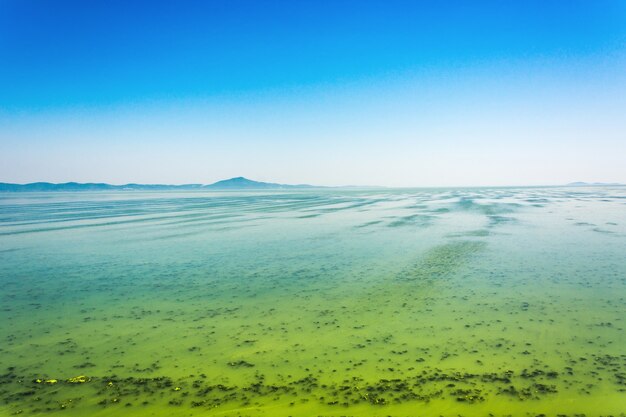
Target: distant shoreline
[
  {"x": 237, "y": 183},
  {"x": 233, "y": 184}
]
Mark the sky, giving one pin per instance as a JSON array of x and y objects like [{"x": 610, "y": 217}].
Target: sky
[{"x": 391, "y": 93}]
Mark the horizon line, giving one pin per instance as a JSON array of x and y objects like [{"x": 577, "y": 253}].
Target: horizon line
[{"x": 301, "y": 185}]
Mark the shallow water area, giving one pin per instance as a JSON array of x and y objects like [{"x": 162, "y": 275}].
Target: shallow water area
[{"x": 321, "y": 302}]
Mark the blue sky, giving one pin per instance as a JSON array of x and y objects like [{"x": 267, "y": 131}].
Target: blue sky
[{"x": 400, "y": 93}]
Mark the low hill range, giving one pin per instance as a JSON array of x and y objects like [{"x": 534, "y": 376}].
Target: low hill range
[{"x": 238, "y": 183}]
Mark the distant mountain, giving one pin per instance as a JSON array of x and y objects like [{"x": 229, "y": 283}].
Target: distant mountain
[
  {"x": 244, "y": 183},
  {"x": 590, "y": 184},
  {"x": 238, "y": 183}
]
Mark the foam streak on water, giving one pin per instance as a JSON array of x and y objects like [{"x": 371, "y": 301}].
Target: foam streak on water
[{"x": 472, "y": 302}]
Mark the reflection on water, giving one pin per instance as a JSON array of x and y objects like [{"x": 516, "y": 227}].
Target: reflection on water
[{"x": 504, "y": 301}]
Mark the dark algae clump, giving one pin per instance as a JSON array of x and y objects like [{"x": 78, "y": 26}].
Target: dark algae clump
[{"x": 39, "y": 394}]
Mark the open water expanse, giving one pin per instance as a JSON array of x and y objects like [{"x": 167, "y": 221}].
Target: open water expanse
[{"x": 318, "y": 302}]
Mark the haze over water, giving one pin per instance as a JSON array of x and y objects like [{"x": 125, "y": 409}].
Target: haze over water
[{"x": 329, "y": 302}]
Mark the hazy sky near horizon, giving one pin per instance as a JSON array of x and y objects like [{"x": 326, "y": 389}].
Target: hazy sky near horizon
[{"x": 397, "y": 93}]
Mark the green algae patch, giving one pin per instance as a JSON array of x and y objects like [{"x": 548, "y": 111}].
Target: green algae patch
[{"x": 80, "y": 379}]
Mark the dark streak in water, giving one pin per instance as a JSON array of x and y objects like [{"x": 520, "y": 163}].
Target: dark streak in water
[{"x": 439, "y": 262}]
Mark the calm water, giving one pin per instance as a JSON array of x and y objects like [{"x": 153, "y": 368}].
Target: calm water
[{"x": 471, "y": 302}]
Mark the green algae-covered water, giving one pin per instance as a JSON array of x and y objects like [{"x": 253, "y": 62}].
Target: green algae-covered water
[{"x": 320, "y": 302}]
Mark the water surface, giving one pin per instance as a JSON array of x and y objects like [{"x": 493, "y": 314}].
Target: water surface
[{"x": 322, "y": 302}]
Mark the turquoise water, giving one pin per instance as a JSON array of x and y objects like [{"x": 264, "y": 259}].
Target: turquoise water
[{"x": 406, "y": 302}]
